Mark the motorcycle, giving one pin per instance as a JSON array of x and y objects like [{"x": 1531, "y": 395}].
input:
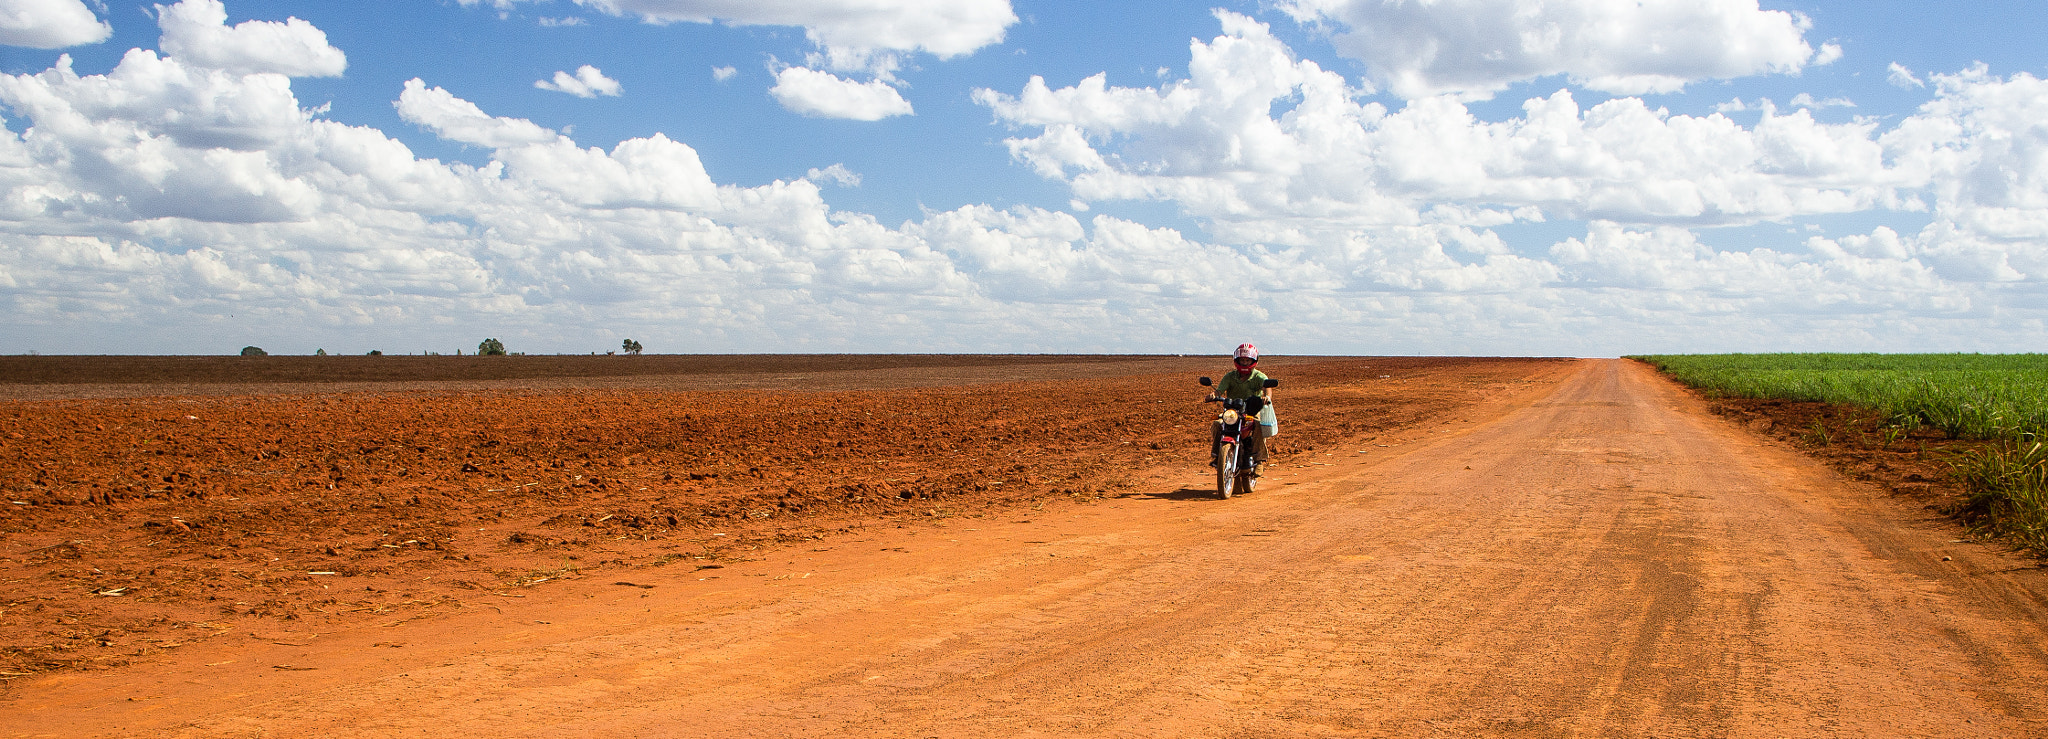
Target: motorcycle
[{"x": 1235, "y": 458}]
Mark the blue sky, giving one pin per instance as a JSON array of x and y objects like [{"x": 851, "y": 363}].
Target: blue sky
[{"x": 1578, "y": 177}]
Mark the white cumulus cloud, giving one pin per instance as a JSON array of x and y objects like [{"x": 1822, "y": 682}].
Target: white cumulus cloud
[
  {"x": 1212, "y": 144},
  {"x": 1806, "y": 100},
  {"x": 152, "y": 139},
  {"x": 196, "y": 32},
  {"x": 836, "y": 174},
  {"x": 588, "y": 82},
  {"x": 50, "y": 24},
  {"x": 856, "y": 35},
  {"x": 1982, "y": 147},
  {"x": 867, "y": 38},
  {"x": 1475, "y": 48},
  {"x": 826, "y": 95},
  {"x": 1901, "y": 77},
  {"x": 455, "y": 119}
]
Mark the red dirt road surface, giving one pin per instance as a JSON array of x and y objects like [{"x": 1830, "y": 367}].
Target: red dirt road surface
[{"x": 1460, "y": 548}]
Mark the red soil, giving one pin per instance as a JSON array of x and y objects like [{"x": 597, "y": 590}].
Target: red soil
[{"x": 154, "y": 502}]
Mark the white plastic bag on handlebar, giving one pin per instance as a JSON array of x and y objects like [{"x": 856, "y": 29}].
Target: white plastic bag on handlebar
[{"x": 1269, "y": 423}]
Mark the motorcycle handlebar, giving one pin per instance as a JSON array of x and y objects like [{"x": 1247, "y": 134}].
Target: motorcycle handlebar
[{"x": 1248, "y": 405}]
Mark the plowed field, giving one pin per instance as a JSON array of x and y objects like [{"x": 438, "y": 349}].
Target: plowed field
[{"x": 154, "y": 503}]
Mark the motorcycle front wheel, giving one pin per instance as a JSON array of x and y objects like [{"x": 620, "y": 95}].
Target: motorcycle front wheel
[{"x": 1226, "y": 469}]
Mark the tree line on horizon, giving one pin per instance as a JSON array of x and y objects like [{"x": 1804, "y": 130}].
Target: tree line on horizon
[{"x": 490, "y": 347}]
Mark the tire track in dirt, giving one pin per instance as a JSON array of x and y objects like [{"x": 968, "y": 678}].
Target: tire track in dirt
[
  {"x": 1600, "y": 557},
  {"x": 1600, "y": 565}
]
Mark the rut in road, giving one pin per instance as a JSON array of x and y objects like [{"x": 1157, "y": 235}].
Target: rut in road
[{"x": 1603, "y": 560}]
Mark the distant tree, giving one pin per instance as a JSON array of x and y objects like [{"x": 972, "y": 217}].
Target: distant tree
[
  {"x": 374, "y": 353},
  {"x": 319, "y": 352},
  {"x": 251, "y": 351},
  {"x": 631, "y": 346},
  {"x": 491, "y": 347}
]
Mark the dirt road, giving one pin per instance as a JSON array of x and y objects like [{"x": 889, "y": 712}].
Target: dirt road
[{"x": 1598, "y": 557}]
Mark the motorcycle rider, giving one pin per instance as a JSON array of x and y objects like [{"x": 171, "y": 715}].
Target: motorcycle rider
[{"x": 1245, "y": 382}]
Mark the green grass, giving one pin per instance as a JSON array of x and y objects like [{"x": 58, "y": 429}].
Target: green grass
[
  {"x": 2002, "y": 398},
  {"x": 2008, "y": 492},
  {"x": 1967, "y": 396}
]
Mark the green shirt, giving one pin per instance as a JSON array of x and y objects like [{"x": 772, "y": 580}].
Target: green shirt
[{"x": 1235, "y": 385}]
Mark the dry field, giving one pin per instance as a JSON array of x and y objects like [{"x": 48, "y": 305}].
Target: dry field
[
  {"x": 979, "y": 547},
  {"x": 154, "y": 502}
]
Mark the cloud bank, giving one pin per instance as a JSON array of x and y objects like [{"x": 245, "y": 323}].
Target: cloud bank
[
  {"x": 192, "y": 197},
  {"x": 1334, "y": 164},
  {"x": 1408, "y": 199},
  {"x": 1475, "y": 48}
]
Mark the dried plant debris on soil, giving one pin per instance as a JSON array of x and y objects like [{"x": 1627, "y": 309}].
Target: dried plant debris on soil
[{"x": 136, "y": 525}]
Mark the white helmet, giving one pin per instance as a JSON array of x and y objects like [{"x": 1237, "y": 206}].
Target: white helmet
[{"x": 1246, "y": 351}]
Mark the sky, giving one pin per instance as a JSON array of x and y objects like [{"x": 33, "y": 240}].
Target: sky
[{"x": 1356, "y": 177}]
